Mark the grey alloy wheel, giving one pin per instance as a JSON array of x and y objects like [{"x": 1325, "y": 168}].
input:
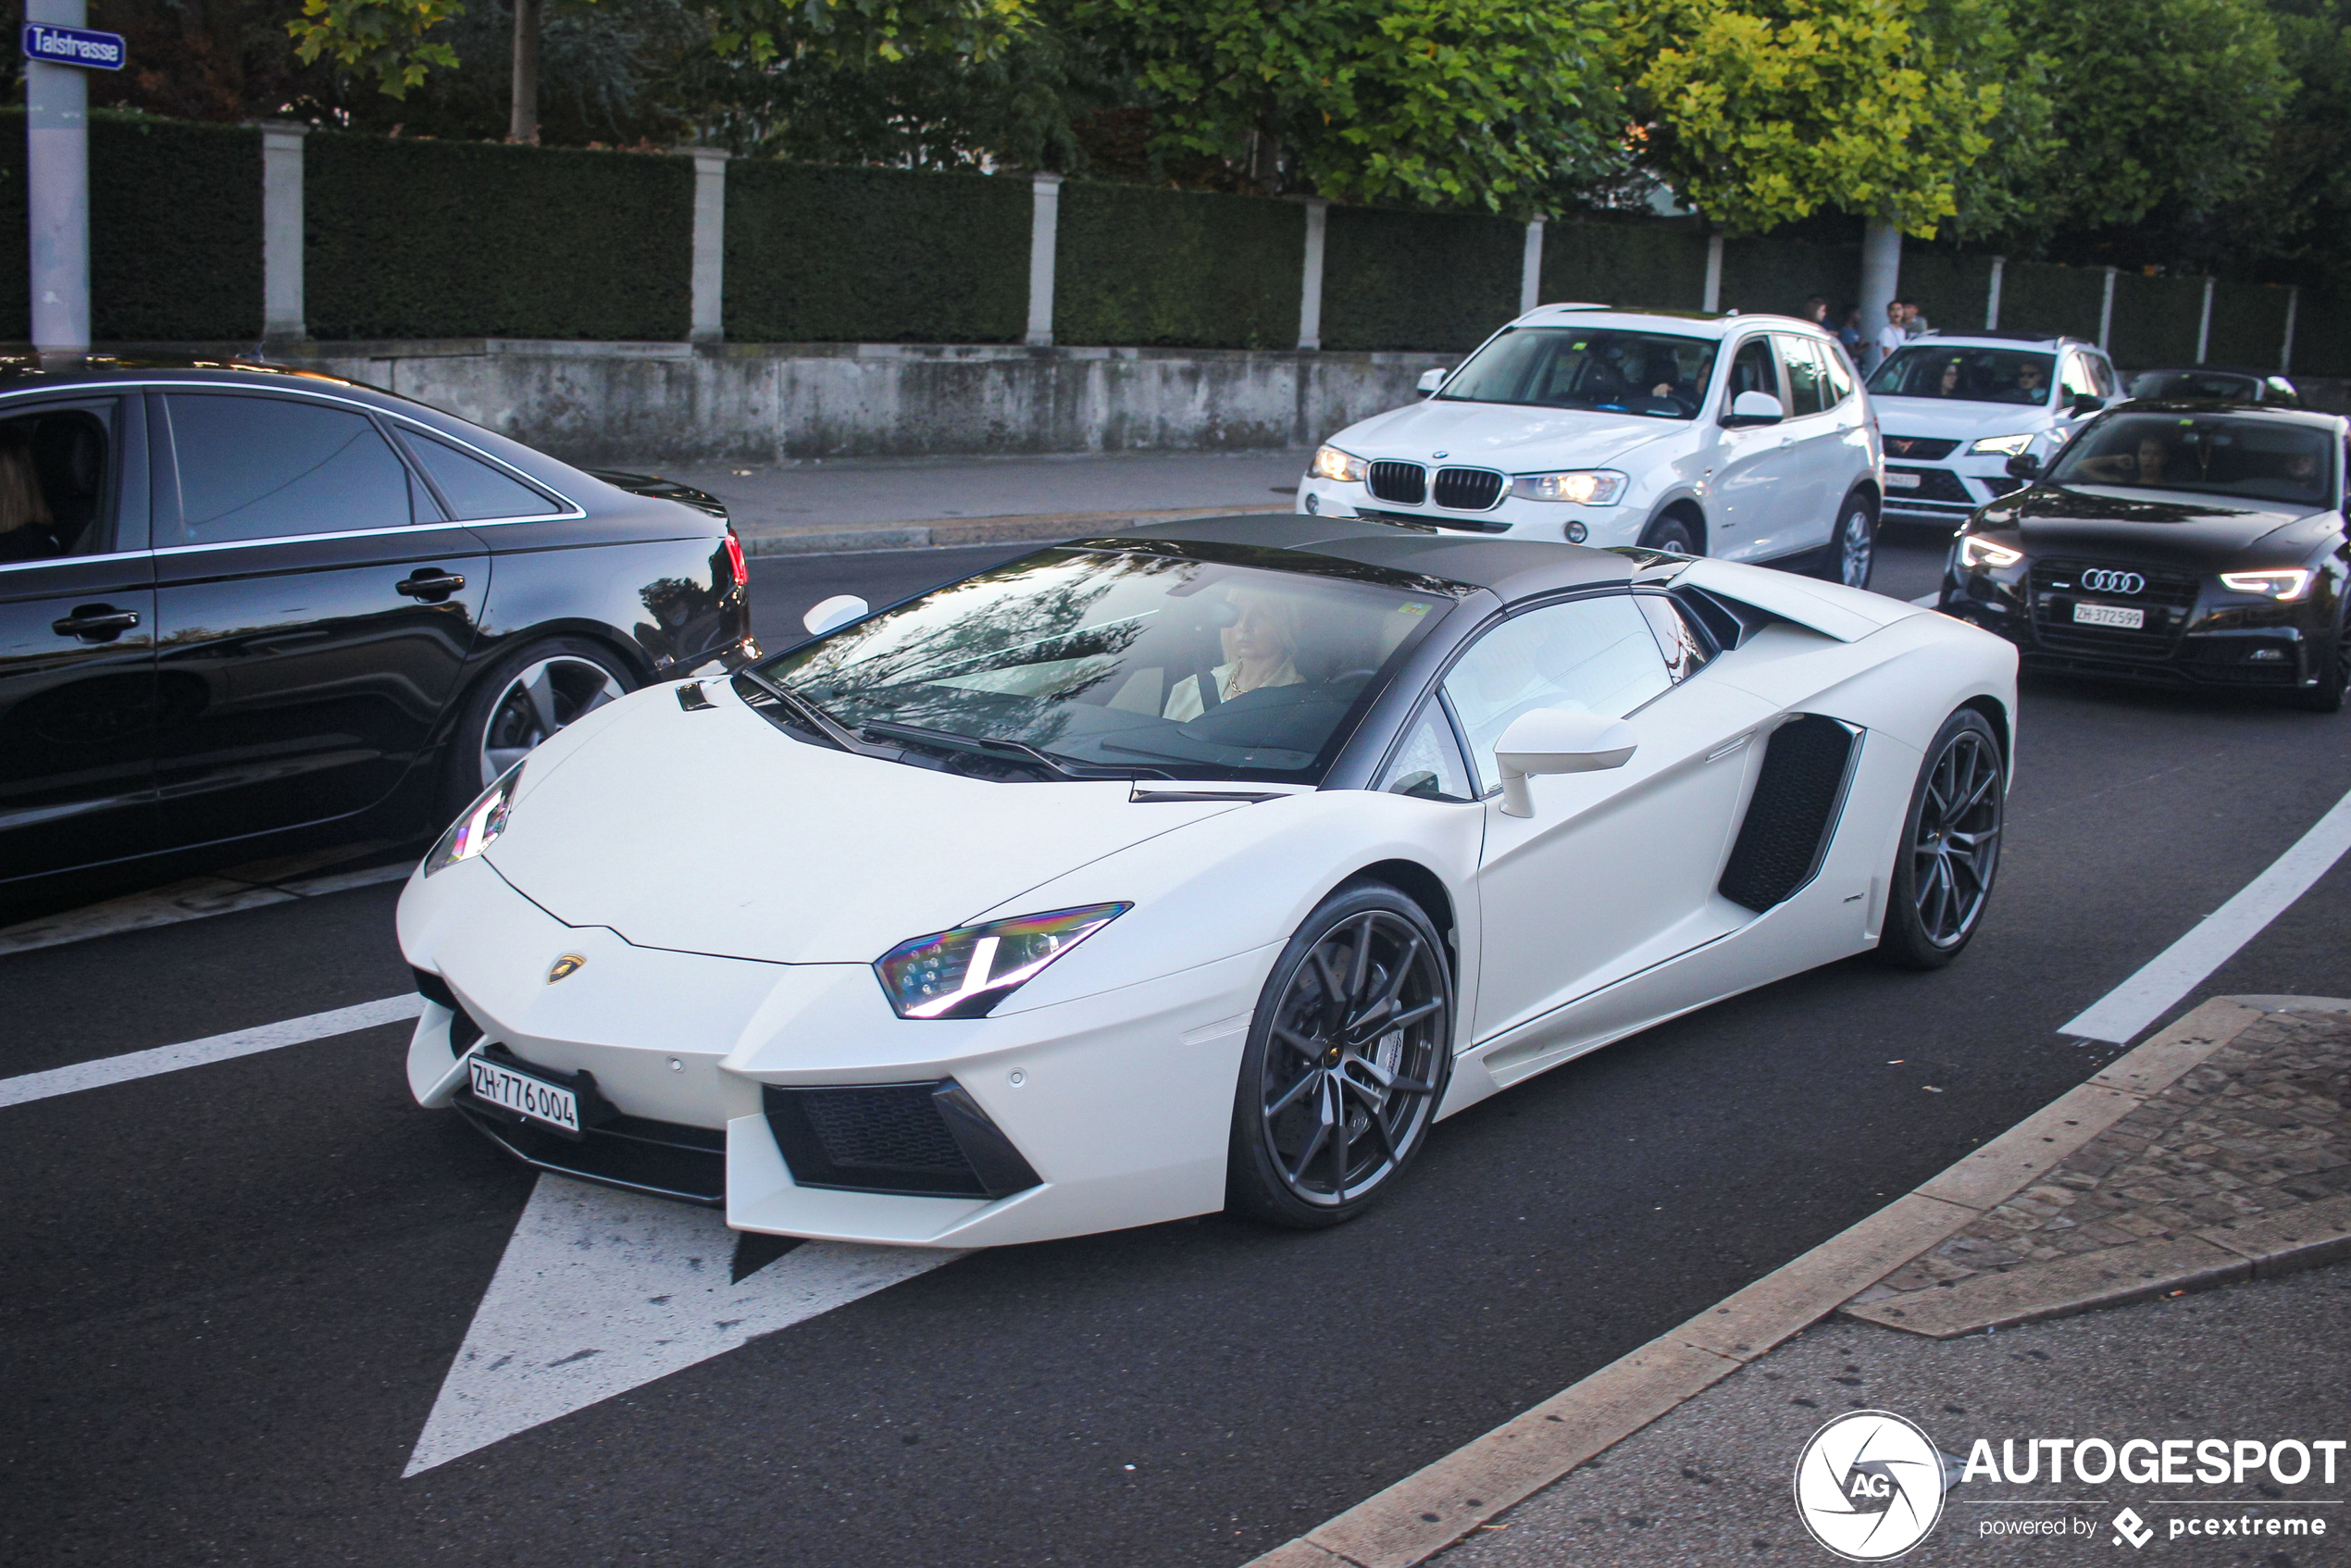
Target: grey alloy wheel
[{"x": 542, "y": 698}]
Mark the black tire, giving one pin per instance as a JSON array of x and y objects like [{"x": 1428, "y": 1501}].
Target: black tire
[
  {"x": 2334, "y": 672},
  {"x": 509, "y": 710},
  {"x": 1852, "y": 553},
  {"x": 1950, "y": 850},
  {"x": 1332, "y": 1103},
  {"x": 1675, "y": 532}
]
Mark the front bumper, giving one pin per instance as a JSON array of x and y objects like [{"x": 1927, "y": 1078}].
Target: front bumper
[
  {"x": 2194, "y": 634},
  {"x": 718, "y": 1072},
  {"x": 1510, "y": 519},
  {"x": 1947, "y": 490}
]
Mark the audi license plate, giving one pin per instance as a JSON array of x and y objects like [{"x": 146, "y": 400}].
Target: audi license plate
[
  {"x": 1901, "y": 481},
  {"x": 526, "y": 1096},
  {"x": 2127, "y": 617}
]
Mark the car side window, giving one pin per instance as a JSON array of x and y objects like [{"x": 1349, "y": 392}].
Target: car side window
[
  {"x": 475, "y": 491},
  {"x": 1753, "y": 370},
  {"x": 274, "y": 467},
  {"x": 2075, "y": 379},
  {"x": 1428, "y": 765},
  {"x": 1684, "y": 648},
  {"x": 1839, "y": 370},
  {"x": 1807, "y": 384},
  {"x": 55, "y": 465},
  {"x": 2102, "y": 374},
  {"x": 1586, "y": 656}
]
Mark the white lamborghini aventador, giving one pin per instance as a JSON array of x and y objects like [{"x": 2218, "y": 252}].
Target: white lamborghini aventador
[{"x": 1205, "y": 865}]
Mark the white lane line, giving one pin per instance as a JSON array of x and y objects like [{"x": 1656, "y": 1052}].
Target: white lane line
[
  {"x": 106, "y": 1070},
  {"x": 601, "y": 1292},
  {"x": 198, "y": 898},
  {"x": 2122, "y": 1013}
]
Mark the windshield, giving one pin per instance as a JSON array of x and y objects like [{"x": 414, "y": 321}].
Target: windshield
[
  {"x": 1169, "y": 666},
  {"x": 2216, "y": 385},
  {"x": 1565, "y": 367},
  {"x": 2217, "y": 455},
  {"x": 1966, "y": 375}
]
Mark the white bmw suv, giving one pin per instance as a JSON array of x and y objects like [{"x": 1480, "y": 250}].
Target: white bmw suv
[
  {"x": 1744, "y": 437},
  {"x": 1958, "y": 406}
]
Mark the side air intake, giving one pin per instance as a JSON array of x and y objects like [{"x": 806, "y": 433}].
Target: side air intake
[{"x": 1790, "y": 819}]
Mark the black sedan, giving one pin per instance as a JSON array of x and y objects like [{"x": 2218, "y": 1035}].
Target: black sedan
[
  {"x": 241, "y": 605},
  {"x": 2216, "y": 383},
  {"x": 2188, "y": 543}
]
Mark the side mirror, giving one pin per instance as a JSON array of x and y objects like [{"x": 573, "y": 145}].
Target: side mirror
[
  {"x": 1432, "y": 380},
  {"x": 838, "y": 611},
  {"x": 1755, "y": 409},
  {"x": 2024, "y": 465},
  {"x": 1554, "y": 741},
  {"x": 2087, "y": 403}
]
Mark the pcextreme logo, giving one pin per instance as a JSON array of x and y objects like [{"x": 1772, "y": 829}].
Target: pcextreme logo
[{"x": 1869, "y": 1485}]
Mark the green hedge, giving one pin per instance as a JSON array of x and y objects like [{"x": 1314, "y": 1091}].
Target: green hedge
[
  {"x": 1780, "y": 274},
  {"x": 824, "y": 255},
  {"x": 2248, "y": 325},
  {"x": 175, "y": 230},
  {"x": 462, "y": 239},
  {"x": 1418, "y": 280},
  {"x": 2036, "y": 296},
  {"x": 1137, "y": 265},
  {"x": 1654, "y": 264},
  {"x": 2154, "y": 320},
  {"x": 1952, "y": 287}
]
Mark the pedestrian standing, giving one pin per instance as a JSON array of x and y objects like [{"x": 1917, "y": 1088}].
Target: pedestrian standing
[
  {"x": 1914, "y": 321},
  {"x": 1816, "y": 311},
  {"x": 1850, "y": 334},
  {"x": 1891, "y": 336}
]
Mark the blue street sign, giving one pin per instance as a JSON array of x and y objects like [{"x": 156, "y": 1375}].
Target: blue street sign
[{"x": 73, "y": 46}]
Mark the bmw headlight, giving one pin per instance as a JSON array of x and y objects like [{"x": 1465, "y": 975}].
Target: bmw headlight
[
  {"x": 2006, "y": 446},
  {"x": 965, "y": 973},
  {"x": 1330, "y": 463},
  {"x": 481, "y": 822},
  {"x": 1588, "y": 487}
]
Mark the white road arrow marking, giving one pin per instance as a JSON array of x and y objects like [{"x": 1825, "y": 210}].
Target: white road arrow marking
[{"x": 602, "y": 1292}]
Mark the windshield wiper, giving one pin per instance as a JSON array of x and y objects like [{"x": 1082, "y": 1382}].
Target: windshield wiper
[
  {"x": 1053, "y": 767},
  {"x": 812, "y": 717}
]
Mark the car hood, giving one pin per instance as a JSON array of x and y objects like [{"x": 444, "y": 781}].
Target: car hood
[
  {"x": 1937, "y": 419},
  {"x": 713, "y": 831},
  {"x": 2170, "y": 524},
  {"x": 1503, "y": 435}
]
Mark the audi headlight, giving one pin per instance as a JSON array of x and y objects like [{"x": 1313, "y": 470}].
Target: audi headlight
[
  {"x": 965, "y": 973},
  {"x": 2284, "y": 583},
  {"x": 1588, "y": 487},
  {"x": 1976, "y": 551},
  {"x": 2006, "y": 446},
  {"x": 1330, "y": 463},
  {"x": 480, "y": 827}
]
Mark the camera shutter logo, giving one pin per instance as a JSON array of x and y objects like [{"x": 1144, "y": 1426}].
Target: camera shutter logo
[{"x": 1869, "y": 1485}]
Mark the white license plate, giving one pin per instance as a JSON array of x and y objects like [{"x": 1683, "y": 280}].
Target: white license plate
[
  {"x": 1901, "y": 481},
  {"x": 2123, "y": 616},
  {"x": 551, "y": 1104}
]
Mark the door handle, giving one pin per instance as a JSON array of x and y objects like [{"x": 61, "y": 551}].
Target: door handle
[
  {"x": 430, "y": 584},
  {"x": 95, "y": 623}
]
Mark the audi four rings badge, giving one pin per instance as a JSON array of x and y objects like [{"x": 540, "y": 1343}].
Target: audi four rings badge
[{"x": 2104, "y": 581}]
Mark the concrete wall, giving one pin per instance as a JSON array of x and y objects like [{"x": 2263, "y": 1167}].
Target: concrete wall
[{"x": 683, "y": 404}]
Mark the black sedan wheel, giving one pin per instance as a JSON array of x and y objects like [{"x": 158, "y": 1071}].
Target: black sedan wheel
[
  {"x": 526, "y": 698},
  {"x": 2334, "y": 672},
  {"x": 1348, "y": 1056},
  {"x": 1950, "y": 847}
]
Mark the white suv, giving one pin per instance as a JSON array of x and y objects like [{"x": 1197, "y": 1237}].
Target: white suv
[
  {"x": 1745, "y": 437},
  {"x": 1958, "y": 406}
]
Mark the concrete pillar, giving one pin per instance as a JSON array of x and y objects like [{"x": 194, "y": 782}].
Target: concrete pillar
[
  {"x": 1881, "y": 282},
  {"x": 1712, "y": 299},
  {"x": 1044, "y": 234},
  {"x": 58, "y": 193},
  {"x": 1992, "y": 296},
  {"x": 2286, "y": 350},
  {"x": 1310, "y": 281},
  {"x": 281, "y": 232},
  {"x": 1530, "y": 269},
  {"x": 708, "y": 320},
  {"x": 2106, "y": 310},
  {"x": 2204, "y": 324}
]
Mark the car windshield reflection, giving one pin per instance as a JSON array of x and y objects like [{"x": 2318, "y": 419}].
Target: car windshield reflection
[
  {"x": 1651, "y": 373},
  {"x": 1110, "y": 660},
  {"x": 1966, "y": 375},
  {"x": 2216, "y": 455}
]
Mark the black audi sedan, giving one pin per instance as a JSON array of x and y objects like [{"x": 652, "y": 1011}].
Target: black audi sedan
[
  {"x": 241, "y": 604},
  {"x": 2192, "y": 543}
]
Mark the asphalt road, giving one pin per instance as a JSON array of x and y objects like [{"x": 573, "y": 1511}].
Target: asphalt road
[{"x": 229, "y": 1295}]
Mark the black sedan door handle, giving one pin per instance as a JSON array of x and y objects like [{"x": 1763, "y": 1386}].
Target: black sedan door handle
[
  {"x": 430, "y": 584},
  {"x": 95, "y": 623}
]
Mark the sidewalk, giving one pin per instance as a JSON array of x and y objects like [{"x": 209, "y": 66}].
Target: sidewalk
[{"x": 899, "y": 503}]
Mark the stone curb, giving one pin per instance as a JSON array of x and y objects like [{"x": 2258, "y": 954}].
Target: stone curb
[
  {"x": 1431, "y": 1508},
  {"x": 770, "y": 539}
]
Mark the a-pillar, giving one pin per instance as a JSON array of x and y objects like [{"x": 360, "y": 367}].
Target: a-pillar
[
  {"x": 707, "y": 322},
  {"x": 282, "y": 319}
]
